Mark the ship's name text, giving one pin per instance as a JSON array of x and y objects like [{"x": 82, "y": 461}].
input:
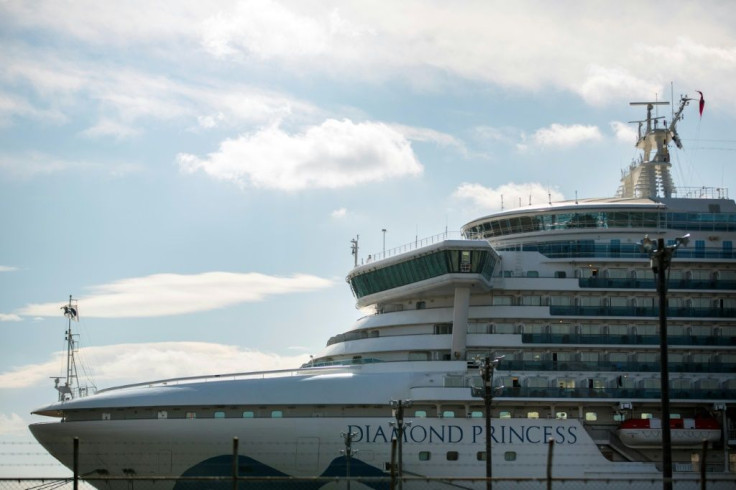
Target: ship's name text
[{"x": 454, "y": 434}]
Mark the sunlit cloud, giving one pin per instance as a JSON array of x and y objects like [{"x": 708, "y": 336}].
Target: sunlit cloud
[
  {"x": 506, "y": 196},
  {"x": 561, "y": 136},
  {"x": 7, "y": 268},
  {"x": 125, "y": 363},
  {"x": 339, "y": 213},
  {"x": 332, "y": 155},
  {"x": 624, "y": 132},
  {"x": 10, "y": 317},
  {"x": 177, "y": 294}
]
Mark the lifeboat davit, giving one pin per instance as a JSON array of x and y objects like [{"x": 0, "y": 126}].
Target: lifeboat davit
[{"x": 683, "y": 432}]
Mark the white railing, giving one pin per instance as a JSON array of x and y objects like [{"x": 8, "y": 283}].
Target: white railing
[{"x": 408, "y": 247}]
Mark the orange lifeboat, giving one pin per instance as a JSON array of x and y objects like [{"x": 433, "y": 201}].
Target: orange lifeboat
[{"x": 683, "y": 432}]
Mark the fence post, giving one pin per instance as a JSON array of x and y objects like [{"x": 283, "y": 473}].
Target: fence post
[
  {"x": 235, "y": 463},
  {"x": 702, "y": 464},
  {"x": 76, "y": 463},
  {"x": 549, "y": 463},
  {"x": 393, "y": 463}
]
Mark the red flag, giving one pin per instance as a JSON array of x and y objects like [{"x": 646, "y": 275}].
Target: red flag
[{"x": 702, "y": 102}]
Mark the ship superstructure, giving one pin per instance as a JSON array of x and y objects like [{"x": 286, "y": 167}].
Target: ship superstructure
[{"x": 561, "y": 295}]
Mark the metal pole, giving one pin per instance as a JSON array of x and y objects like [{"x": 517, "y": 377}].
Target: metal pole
[
  {"x": 400, "y": 424},
  {"x": 76, "y": 463},
  {"x": 549, "y": 463},
  {"x": 487, "y": 396},
  {"x": 393, "y": 463},
  {"x": 662, "y": 263},
  {"x": 703, "y": 455},
  {"x": 235, "y": 463}
]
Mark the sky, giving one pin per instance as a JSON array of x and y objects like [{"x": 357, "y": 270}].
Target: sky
[{"x": 193, "y": 172}]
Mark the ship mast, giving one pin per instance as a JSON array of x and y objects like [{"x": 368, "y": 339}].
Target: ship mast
[
  {"x": 66, "y": 391},
  {"x": 650, "y": 176}
]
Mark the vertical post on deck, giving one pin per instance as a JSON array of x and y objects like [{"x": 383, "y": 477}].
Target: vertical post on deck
[
  {"x": 549, "y": 463},
  {"x": 76, "y": 463},
  {"x": 235, "y": 463}
]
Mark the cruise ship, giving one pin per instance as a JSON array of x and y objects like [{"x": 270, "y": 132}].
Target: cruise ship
[{"x": 540, "y": 323}]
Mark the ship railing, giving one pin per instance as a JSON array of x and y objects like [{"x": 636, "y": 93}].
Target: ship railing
[
  {"x": 279, "y": 373},
  {"x": 414, "y": 245},
  {"x": 625, "y": 339},
  {"x": 613, "y": 366}
]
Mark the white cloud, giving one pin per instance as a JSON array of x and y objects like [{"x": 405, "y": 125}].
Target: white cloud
[
  {"x": 7, "y": 268},
  {"x": 624, "y": 132},
  {"x": 12, "y": 424},
  {"x": 490, "y": 199},
  {"x": 602, "y": 84},
  {"x": 124, "y": 363},
  {"x": 176, "y": 294},
  {"x": 9, "y": 317},
  {"x": 33, "y": 164},
  {"x": 339, "y": 213},
  {"x": 107, "y": 127},
  {"x": 332, "y": 155},
  {"x": 425, "y": 44},
  {"x": 561, "y": 136}
]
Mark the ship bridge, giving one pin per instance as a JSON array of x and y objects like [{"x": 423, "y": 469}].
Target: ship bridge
[{"x": 453, "y": 268}]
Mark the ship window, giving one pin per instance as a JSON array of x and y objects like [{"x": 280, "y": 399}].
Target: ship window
[
  {"x": 421, "y": 305},
  {"x": 106, "y": 416},
  {"x": 476, "y": 414},
  {"x": 425, "y": 455},
  {"x": 480, "y": 455},
  {"x": 504, "y": 415},
  {"x": 561, "y": 415},
  {"x": 420, "y": 414},
  {"x": 619, "y": 417},
  {"x": 276, "y": 414},
  {"x": 560, "y": 274},
  {"x": 532, "y": 273},
  {"x": 452, "y": 455},
  {"x": 591, "y": 416},
  {"x": 219, "y": 415},
  {"x": 509, "y": 456},
  {"x": 248, "y": 414},
  {"x": 532, "y": 415},
  {"x": 162, "y": 414},
  {"x": 646, "y": 416},
  {"x": 448, "y": 414},
  {"x": 191, "y": 415},
  {"x": 502, "y": 300}
]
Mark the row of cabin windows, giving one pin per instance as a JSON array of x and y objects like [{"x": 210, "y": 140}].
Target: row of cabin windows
[
  {"x": 589, "y": 416},
  {"x": 455, "y": 456},
  {"x": 606, "y": 301},
  {"x": 641, "y": 273},
  {"x": 673, "y": 329},
  {"x": 191, "y": 415}
]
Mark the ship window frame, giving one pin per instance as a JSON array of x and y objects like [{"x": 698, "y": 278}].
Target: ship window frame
[
  {"x": 509, "y": 456},
  {"x": 277, "y": 414},
  {"x": 248, "y": 414},
  {"x": 219, "y": 414},
  {"x": 424, "y": 455},
  {"x": 452, "y": 456}
]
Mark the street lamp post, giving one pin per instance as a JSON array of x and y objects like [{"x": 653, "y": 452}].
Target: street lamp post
[
  {"x": 660, "y": 261},
  {"x": 487, "y": 366},
  {"x": 398, "y": 407}
]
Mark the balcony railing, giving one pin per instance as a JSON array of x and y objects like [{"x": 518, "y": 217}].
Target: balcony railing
[
  {"x": 626, "y": 339},
  {"x": 614, "y": 393},
  {"x": 628, "y": 283},
  {"x": 602, "y": 366},
  {"x": 639, "y": 311}
]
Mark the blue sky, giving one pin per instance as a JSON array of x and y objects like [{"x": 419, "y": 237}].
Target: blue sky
[{"x": 193, "y": 172}]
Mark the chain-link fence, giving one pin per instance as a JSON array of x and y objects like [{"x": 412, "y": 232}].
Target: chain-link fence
[{"x": 374, "y": 483}]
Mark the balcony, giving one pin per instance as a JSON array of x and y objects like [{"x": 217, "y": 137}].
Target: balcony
[
  {"x": 614, "y": 393},
  {"x": 603, "y": 366},
  {"x": 643, "y": 311},
  {"x": 629, "y": 283},
  {"x": 626, "y": 339}
]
